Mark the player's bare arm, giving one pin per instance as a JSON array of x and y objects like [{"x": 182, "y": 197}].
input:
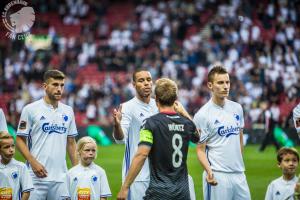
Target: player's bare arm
[
  {"x": 135, "y": 167},
  {"x": 178, "y": 107},
  {"x": 25, "y": 195},
  {"x": 297, "y": 191},
  {"x": 117, "y": 129},
  {"x": 71, "y": 148},
  {"x": 297, "y": 124},
  {"x": 181, "y": 110},
  {"x": 242, "y": 139},
  {"x": 38, "y": 169},
  {"x": 204, "y": 162}
]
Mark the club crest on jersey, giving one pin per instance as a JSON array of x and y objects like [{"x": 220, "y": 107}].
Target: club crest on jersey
[
  {"x": 53, "y": 128},
  {"x": 65, "y": 117},
  {"x": 94, "y": 178},
  {"x": 237, "y": 117},
  {"x": 14, "y": 175},
  {"x": 228, "y": 131}
]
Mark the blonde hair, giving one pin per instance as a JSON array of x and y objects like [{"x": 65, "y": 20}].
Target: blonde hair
[
  {"x": 83, "y": 141},
  {"x": 4, "y": 135},
  {"x": 166, "y": 91}
]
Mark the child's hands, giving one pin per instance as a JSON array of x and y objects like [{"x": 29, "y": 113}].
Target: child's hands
[{"x": 210, "y": 179}]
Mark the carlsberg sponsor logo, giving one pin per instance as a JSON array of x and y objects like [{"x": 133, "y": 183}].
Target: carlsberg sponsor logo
[
  {"x": 53, "y": 128},
  {"x": 227, "y": 131}
]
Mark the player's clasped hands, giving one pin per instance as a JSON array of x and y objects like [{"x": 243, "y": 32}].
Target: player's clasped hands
[
  {"x": 211, "y": 179},
  {"x": 122, "y": 195},
  {"x": 38, "y": 169}
]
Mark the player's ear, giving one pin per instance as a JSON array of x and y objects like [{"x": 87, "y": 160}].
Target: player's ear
[
  {"x": 44, "y": 85},
  {"x": 133, "y": 83},
  {"x": 278, "y": 165},
  {"x": 209, "y": 85},
  {"x": 156, "y": 101}
]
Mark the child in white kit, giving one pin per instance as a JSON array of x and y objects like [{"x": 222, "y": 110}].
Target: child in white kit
[
  {"x": 15, "y": 181},
  {"x": 87, "y": 180},
  {"x": 284, "y": 186}
]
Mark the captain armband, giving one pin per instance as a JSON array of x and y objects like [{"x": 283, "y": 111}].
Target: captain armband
[{"x": 146, "y": 136}]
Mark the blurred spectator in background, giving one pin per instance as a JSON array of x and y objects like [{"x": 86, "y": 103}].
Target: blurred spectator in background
[
  {"x": 103, "y": 43},
  {"x": 269, "y": 116}
]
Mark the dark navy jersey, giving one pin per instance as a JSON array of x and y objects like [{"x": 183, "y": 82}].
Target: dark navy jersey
[{"x": 168, "y": 134}]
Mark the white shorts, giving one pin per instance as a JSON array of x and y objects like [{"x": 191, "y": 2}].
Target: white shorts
[
  {"x": 137, "y": 190},
  {"x": 192, "y": 188},
  {"x": 49, "y": 190},
  {"x": 230, "y": 186}
]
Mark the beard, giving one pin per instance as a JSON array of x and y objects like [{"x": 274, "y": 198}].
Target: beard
[
  {"x": 54, "y": 97},
  {"x": 143, "y": 94}
]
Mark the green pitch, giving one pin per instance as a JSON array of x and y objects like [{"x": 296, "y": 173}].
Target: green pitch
[{"x": 261, "y": 168}]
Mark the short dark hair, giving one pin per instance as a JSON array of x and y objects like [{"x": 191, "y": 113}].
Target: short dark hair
[
  {"x": 217, "y": 69},
  {"x": 137, "y": 71},
  {"x": 53, "y": 73},
  {"x": 285, "y": 150},
  {"x": 165, "y": 91}
]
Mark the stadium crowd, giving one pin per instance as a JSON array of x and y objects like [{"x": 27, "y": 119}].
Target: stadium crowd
[{"x": 257, "y": 41}]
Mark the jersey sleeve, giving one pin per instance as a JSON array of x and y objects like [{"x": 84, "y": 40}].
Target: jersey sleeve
[
  {"x": 3, "y": 125},
  {"x": 241, "y": 113},
  {"x": 104, "y": 190},
  {"x": 296, "y": 118},
  {"x": 203, "y": 126},
  {"x": 24, "y": 123},
  {"x": 72, "y": 129},
  {"x": 194, "y": 134},
  {"x": 68, "y": 182},
  {"x": 26, "y": 181},
  {"x": 269, "y": 193},
  {"x": 146, "y": 134}
]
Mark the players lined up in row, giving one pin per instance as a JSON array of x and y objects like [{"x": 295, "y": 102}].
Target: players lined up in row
[{"x": 156, "y": 133}]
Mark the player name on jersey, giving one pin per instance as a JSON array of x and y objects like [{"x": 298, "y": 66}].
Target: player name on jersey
[{"x": 176, "y": 127}]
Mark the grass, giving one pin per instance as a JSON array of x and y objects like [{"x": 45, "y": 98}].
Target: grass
[{"x": 261, "y": 168}]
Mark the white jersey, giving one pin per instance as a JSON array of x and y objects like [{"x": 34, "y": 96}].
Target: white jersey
[
  {"x": 14, "y": 179},
  {"x": 3, "y": 125},
  {"x": 134, "y": 112},
  {"x": 220, "y": 130},
  {"x": 296, "y": 117},
  {"x": 280, "y": 189},
  {"x": 47, "y": 129},
  {"x": 88, "y": 182}
]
